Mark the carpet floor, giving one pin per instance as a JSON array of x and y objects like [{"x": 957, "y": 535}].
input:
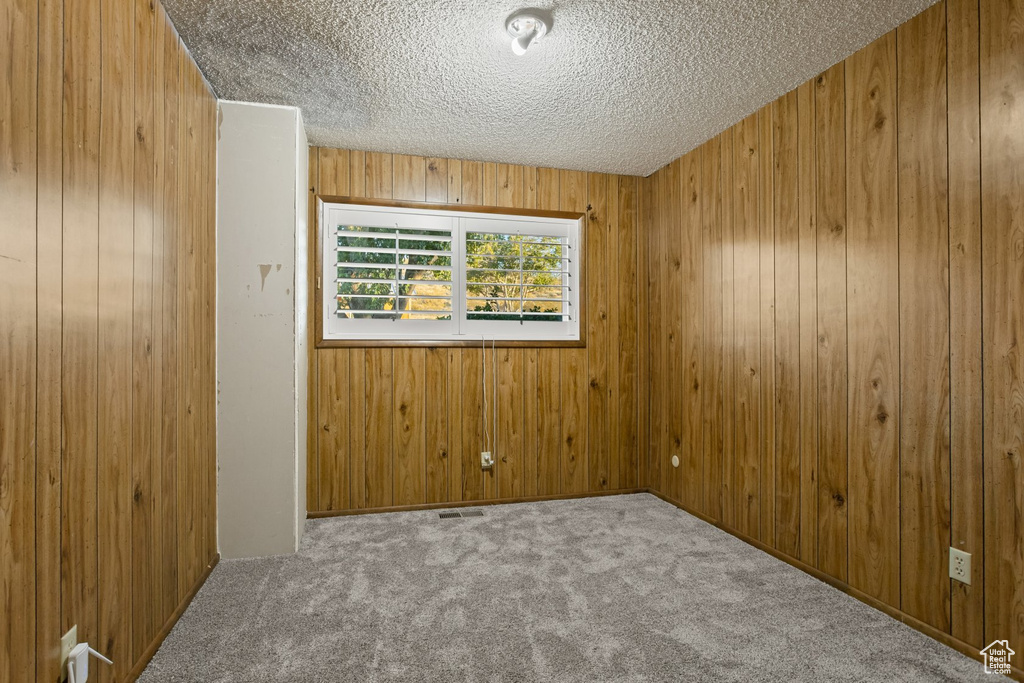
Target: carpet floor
[{"x": 618, "y": 588}]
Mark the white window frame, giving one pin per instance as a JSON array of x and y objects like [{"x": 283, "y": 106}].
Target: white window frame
[{"x": 459, "y": 328}]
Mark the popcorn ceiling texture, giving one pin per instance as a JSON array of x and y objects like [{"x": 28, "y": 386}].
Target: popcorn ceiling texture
[{"x": 620, "y": 86}]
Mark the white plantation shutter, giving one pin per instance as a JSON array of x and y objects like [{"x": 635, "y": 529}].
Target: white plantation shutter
[
  {"x": 394, "y": 273},
  {"x": 519, "y": 278},
  {"x": 524, "y": 276}
]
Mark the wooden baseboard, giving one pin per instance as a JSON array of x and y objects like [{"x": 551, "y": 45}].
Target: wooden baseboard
[
  {"x": 916, "y": 624},
  {"x": 469, "y": 503},
  {"x": 143, "y": 662}
]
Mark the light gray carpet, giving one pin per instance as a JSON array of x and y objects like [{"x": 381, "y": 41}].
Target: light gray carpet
[{"x": 620, "y": 588}]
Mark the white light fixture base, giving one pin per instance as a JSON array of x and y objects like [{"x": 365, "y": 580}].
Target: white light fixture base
[{"x": 526, "y": 28}]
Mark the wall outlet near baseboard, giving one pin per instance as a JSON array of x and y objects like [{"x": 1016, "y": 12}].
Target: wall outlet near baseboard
[
  {"x": 486, "y": 460},
  {"x": 67, "y": 643},
  {"x": 960, "y": 566}
]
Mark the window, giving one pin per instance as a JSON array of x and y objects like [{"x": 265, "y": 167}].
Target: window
[{"x": 397, "y": 273}]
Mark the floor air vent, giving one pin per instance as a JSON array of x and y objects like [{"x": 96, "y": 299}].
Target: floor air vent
[
  {"x": 451, "y": 514},
  {"x": 473, "y": 513}
]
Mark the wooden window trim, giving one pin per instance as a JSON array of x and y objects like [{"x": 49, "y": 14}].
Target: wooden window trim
[{"x": 317, "y": 267}]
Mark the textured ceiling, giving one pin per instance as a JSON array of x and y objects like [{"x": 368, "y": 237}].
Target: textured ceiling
[{"x": 622, "y": 86}]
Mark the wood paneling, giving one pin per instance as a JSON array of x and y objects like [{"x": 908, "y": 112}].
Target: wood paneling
[
  {"x": 404, "y": 426},
  {"x": 965, "y": 307},
  {"x": 168, "y": 146},
  {"x": 598, "y": 324},
  {"x": 672, "y": 438},
  {"x": 830, "y": 134},
  {"x": 410, "y": 455},
  {"x": 378, "y": 426},
  {"x": 873, "y": 273},
  {"x": 728, "y": 492},
  {"x": 746, "y": 327},
  {"x": 1002, "y": 223},
  {"x": 142, "y": 403},
  {"x": 711, "y": 337},
  {"x": 116, "y": 268},
  {"x": 49, "y": 322},
  {"x": 81, "y": 320},
  {"x": 437, "y": 425},
  {"x": 868, "y": 251},
  {"x": 924, "y": 317},
  {"x": 691, "y": 320},
  {"x": 106, "y": 119},
  {"x": 807, "y": 258},
  {"x": 654, "y": 215},
  {"x": 786, "y": 399},
  {"x": 646, "y": 223},
  {"x": 766, "y": 287},
  {"x": 332, "y": 388},
  {"x": 624, "y": 350},
  {"x": 18, "y": 183}
]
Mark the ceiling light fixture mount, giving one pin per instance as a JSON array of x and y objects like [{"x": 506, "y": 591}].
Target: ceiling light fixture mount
[{"x": 526, "y": 28}]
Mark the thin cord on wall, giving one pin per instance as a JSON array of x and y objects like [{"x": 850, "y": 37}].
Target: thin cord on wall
[
  {"x": 494, "y": 388},
  {"x": 490, "y": 435},
  {"x": 483, "y": 387}
]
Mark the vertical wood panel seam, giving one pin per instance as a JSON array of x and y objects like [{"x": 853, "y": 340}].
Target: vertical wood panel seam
[
  {"x": 40, "y": 663},
  {"x": 949, "y": 314},
  {"x": 817, "y": 365},
  {"x": 981, "y": 305},
  {"x": 846, "y": 288},
  {"x": 899, "y": 323}
]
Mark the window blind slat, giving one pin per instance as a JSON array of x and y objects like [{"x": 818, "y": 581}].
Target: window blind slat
[
  {"x": 521, "y": 314},
  {"x": 512, "y": 298},
  {"x": 391, "y": 295},
  {"x": 404, "y": 236},
  {"x": 394, "y": 314},
  {"x": 379, "y": 281},
  {"x": 528, "y": 284},
  {"x": 406, "y": 252},
  {"x": 390, "y": 266},
  {"x": 566, "y": 273}
]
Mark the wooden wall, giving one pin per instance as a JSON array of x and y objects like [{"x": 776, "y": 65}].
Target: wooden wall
[
  {"x": 837, "y": 311},
  {"x": 107, "y": 180},
  {"x": 402, "y": 426}
]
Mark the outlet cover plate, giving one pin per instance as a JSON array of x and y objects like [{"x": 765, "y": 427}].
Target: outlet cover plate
[
  {"x": 67, "y": 642},
  {"x": 960, "y": 566}
]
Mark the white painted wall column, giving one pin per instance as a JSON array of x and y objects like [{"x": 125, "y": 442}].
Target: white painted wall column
[{"x": 261, "y": 329}]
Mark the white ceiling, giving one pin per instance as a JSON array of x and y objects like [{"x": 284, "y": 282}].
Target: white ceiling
[{"x": 618, "y": 85}]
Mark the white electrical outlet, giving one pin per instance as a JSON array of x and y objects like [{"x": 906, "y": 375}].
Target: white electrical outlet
[
  {"x": 486, "y": 460},
  {"x": 67, "y": 643},
  {"x": 960, "y": 566}
]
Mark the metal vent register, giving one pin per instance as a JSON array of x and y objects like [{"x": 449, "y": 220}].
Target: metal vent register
[{"x": 452, "y": 514}]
